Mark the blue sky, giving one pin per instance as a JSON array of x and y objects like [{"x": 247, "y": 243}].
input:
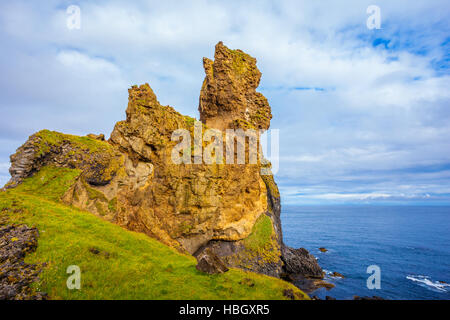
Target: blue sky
[{"x": 363, "y": 114}]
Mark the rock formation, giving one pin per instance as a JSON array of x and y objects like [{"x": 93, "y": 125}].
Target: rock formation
[
  {"x": 231, "y": 210},
  {"x": 228, "y": 98}
]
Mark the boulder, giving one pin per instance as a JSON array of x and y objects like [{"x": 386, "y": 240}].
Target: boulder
[{"x": 210, "y": 263}]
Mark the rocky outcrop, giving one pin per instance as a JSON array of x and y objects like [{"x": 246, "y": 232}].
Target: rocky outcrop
[
  {"x": 228, "y": 98},
  {"x": 97, "y": 160},
  {"x": 15, "y": 275},
  {"x": 301, "y": 262},
  {"x": 229, "y": 209},
  {"x": 184, "y": 205}
]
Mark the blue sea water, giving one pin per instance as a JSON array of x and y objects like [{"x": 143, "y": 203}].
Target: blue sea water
[{"x": 410, "y": 244}]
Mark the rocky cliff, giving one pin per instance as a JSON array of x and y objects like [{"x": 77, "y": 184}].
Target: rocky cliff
[{"x": 231, "y": 209}]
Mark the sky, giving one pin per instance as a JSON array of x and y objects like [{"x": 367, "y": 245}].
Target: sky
[{"x": 363, "y": 114}]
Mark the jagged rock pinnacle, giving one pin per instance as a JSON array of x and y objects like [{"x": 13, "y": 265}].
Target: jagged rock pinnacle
[{"x": 228, "y": 98}]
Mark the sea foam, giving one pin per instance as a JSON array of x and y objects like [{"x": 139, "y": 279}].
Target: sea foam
[{"x": 425, "y": 281}]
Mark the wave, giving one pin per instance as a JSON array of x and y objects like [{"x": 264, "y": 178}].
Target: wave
[
  {"x": 426, "y": 282},
  {"x": 329, "y": 275}
]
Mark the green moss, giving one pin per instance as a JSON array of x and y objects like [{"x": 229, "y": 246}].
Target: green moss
[
  {"x": 240, "y": 61},
  {"x": 189, "y": 121},
  {"x": 261, "y": 234},
  {"x": 113, "y": 166},
  {"x": 137, "y": 267},
  {"x": 261, "y": 245},
  {"x": 260, "y": 115},
  {"x": 243, "y": 124}
]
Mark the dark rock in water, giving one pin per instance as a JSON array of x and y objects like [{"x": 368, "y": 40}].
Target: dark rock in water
[
  {"x": 210, "y": 263},
  {"x": 337, "y": 275},
  {"x": 329, "y": 298},
  {"x": 323, "y": 249},
  {"x": 301, "y": 262},
  {"x": 301, "y": 268},
  {"x": 309, "y": 285},
  {"x": 15, "y": 275},
  {"x": 367, "y": 298},
  {"x": 323, "y": 284}
]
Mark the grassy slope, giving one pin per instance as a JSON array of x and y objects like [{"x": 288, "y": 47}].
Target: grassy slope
[{"x": 130, "y": 265}]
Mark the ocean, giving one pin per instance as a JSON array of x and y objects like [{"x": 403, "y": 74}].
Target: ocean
[{"x": 410, "y": 245}]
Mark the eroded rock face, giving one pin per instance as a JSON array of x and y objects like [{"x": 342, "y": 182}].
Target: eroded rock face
[
  {"x": 183, "y": 205},
  {"x": 231, "y": 210},
  {"x": 228, "y": 98},
  {"x": 301, "y": 262}
]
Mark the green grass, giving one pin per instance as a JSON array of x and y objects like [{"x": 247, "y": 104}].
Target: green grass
[
  {"x": 130, "y": 265},
  {"x": 50, "y": 183}
]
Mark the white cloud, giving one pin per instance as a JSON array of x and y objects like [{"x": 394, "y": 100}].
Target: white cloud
[
  {"x": 77, "y": 61},
  {"x": 349, "y": 196}
]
